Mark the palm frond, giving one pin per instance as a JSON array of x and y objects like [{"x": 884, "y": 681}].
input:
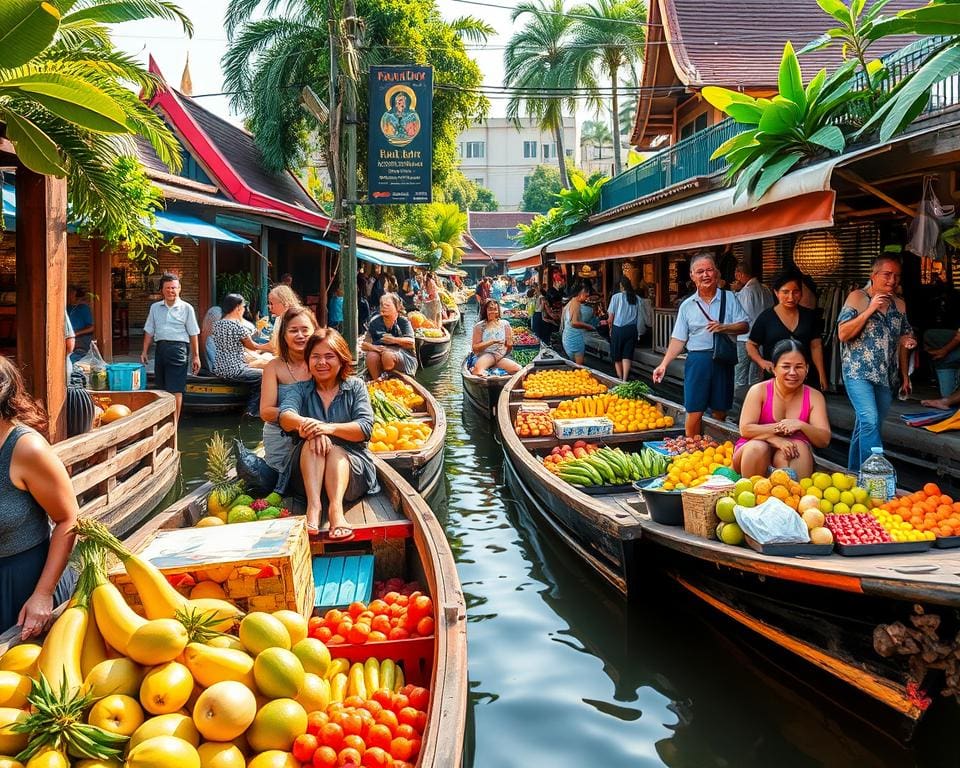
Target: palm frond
[
  {"x": 472, "y": 29},
  {"x": 120, "y": 11}
]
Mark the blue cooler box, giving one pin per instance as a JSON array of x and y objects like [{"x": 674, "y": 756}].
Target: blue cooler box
[{"x": 126, "y": 377}]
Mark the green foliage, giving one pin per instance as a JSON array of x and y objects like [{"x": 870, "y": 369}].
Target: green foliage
[
  {"x": 574, "y": 206},
  {"x": 69, "y": 101},
  {"x": 485, "y": 201},
  {"x": 265, "y": 68},
  {"x": 542, "y": 189},
  {"x": 438, "y": 237},
  {"x": 597, "y": 132},
  {"x": 238, "y": 282},
  {"x": 798, "y": 123},
  {"x": 466, "y": 194}
]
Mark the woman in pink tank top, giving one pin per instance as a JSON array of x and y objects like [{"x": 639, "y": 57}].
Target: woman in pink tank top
[{"x": 782, "y": 419}]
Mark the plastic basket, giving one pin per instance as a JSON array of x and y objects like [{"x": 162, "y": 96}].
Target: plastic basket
[
  {"x": 126, "y": 377},
  {"x": 700, "y": 511}
]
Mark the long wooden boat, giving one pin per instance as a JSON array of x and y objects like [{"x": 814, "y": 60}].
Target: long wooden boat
[
  {"x": 433, "y": 352},
  {"x": 453, "y": 322},
  {"x": 482, "y": 392},
  {"x": 822, "y": 609},
  {"x": 207, "y": 394},
  {"x": 422, "y": 468},
  {"x": 121, "y": 471},
  {"x": 406, "y": 540}
]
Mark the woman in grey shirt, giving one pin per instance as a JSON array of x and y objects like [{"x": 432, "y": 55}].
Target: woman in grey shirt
[{"x": 333, "y": 415}]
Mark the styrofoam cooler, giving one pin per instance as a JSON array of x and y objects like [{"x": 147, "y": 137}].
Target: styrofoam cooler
[{"x": 127, "y": 377}]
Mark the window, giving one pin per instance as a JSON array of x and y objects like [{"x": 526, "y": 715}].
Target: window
[
  {"x": 529, "y": 149},
  {"x": 549, "y": 151},
  {"x": 526, "y": 182},
  {"x": 478, "y": 180},
  {"x": 474, "y": 149},
  {"x": 694, "y": 126},
  {"x": 568, "y": 152}
]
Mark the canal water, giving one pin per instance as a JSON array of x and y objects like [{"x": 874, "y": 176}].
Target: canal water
[{"x": 563, "y": 672}]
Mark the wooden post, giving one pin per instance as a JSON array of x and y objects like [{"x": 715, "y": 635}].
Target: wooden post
[
  {"x": 205, "y": 288},
  {"x": 42, "y": 292},
  {"x": 101, "y": 302}
]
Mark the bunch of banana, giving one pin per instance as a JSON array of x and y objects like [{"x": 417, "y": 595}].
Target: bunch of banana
[
  {"x": 387, "y": 409},
  {"x": 612, "y": 466}
]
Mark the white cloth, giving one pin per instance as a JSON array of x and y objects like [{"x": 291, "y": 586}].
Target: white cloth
[
  {"x": 754, "y": 297},
  {"x": 176, "y": 323}
]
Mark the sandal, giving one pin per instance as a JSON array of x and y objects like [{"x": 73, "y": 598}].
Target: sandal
[
  {"x": 340, "y": 533},
  {"x": 313, "y": 531}
]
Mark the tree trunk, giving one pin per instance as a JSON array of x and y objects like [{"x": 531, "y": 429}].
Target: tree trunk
[
  {"x": 561, "y": 156},
  {"x": 615, "y": 104}
]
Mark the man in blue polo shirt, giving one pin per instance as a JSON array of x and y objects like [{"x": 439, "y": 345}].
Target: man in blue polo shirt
[
  {"x": 706, "y": 383},
  {"x": 173, "y": 323}
]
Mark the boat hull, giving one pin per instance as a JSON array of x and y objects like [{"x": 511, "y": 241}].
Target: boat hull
[
  {"x": 482, "y": 392},
  {"x": 433, "y": 352}
]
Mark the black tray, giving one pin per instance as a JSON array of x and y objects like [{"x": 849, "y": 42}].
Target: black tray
[
  {"x": 946, "y": 542},
  {"x": 600, "y": 490},
  {"x": 889, "y": 548},
  {"x": 789, "y": 550}
]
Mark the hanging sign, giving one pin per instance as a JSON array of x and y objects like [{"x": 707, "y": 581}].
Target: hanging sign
[{"x": 400, "y": 135}]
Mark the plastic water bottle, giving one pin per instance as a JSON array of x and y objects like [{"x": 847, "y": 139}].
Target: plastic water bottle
[{"x": 878, "y": 476}]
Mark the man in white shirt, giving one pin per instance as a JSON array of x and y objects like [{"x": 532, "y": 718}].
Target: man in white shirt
[
  {"x": 173, "y": 323},
  {"x": 754, "y": 297}
]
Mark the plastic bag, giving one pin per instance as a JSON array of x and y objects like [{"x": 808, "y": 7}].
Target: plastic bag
[
  {"x": 772, "y": 522},
  {"x": 923, "y": 236},
  {"x": 253, "y": 470},
  {"x": 94, "y": 367}
]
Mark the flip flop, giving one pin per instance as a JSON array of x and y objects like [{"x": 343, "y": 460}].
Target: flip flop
[
  {"x": 344, "y": 537},
  {"x": 313, "y": 531}
]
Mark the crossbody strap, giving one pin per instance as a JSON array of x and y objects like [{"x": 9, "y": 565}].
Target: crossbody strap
[{"x": 723, "y": 306}]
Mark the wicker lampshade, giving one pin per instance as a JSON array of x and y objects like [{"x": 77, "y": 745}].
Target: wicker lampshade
[
  {"x": 586, "y": 271},
  {"x": 817, "y": 253}
]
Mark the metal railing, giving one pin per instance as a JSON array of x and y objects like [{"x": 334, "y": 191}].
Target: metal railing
[
  {"x": 690, "y": 157},
  {"x": 663, "y": 322}
]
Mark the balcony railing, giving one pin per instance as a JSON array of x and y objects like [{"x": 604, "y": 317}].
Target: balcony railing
[
  {"x": 690, "y": 157},
  {"x": 663, "y": 322}
]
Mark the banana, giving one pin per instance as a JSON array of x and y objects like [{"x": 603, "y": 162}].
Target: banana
[
  {"x": 356, "y": 685},
  {"x": 338, "y": 687},
  {"x": 371, "y": 675},
  {"x": 388, "y": 674}
]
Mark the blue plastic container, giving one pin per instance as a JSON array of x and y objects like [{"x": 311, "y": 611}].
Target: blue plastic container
[{"x": 126, "y": 377}]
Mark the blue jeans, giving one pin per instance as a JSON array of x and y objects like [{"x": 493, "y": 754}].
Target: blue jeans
[
  {"x": 870, "y": 404},
  {"x": 948, "y": 372}
]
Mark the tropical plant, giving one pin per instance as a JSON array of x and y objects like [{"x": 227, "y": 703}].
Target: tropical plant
[
  {"x": 796, "y": 124},
  {"x": 466, "y": 194},
  {"x": 69, "y": 108},
  {"x": 940, "y": 19},
  {"x": 541, "y": 190},
  {"x": 609, "y": 35},
  {"x": 438, "y": 239},
  {"x": 238, "y": 282},
  {"x": 574, "y": 206},
  {"x": 596, "y": 132},
  {"x": 541, "y": 73}
]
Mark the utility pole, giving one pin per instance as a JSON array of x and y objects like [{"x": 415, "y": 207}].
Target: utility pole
[{"x": 348, "y": 232}]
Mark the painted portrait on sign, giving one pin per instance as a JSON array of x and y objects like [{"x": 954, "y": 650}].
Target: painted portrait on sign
[{"x": 400, "y": 124}]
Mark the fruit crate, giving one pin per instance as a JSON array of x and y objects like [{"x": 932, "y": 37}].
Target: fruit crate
[
  {"x": 593, "y": 426},
  {"x": 261, "y": 566},
  {"x": 415, "y": 654}
]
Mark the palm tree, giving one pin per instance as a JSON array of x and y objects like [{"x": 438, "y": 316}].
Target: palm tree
[
  {"x": 67, "y": 103},
  {"x": 609, "y": 36},
  {"x": 541, "y": 72},
  {"x": 596, "y": 133},
  {"x": 438, "y": 236}
]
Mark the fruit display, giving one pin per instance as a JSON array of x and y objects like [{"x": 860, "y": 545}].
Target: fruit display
[
  {"x": 523, "y": 356},
  {"x": 631, "y": 390},
  {"x": 550, "y": 383},
  {"x": 398, "y": 611},
  {"x": 386, "y": 407},
  {"x": 429, "y": 333},
  {"x": 747, "y": 493},
  {"x": 399, "y": 436},
  {"x": 419, "y": 320},
  {"x": 587, "y": 464},
  {"x": 627, "y": 415},
  {"x": 175, "y": 691},
  {"x": 928, "y": 512},
  {"x": 398, "y": 390},
  {"x": 838, "y": 493},
  {"x": 678, "y": 445},
  {"x": 692, "y": 469},
  {"x": 524, "y": 337},
  {"x": 857, "y": 528},
  {"x": 533, "y": 423}
]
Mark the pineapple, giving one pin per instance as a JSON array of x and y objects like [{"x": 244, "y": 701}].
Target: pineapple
[{"x": 220, "y": 464}]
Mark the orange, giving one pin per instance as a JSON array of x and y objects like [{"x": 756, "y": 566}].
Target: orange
[
  {"x": 324, "y": 757},
  {"x": 425, "y": 626},
  {"x": 331, "y": 735},
  {"x": 401, "y": 748},
  {"x": 348, "y": 756},
  {"x": 355, "y": 742},
  {"x": 931, "y": 489},
  {"x": 375, "y": 757},
  {"x": 379, "y": 735}
]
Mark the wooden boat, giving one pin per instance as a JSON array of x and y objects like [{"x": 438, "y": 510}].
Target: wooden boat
[
  {"x": 423, "y": 468},
  {"x": 598, "y": 528},
  {"x": 453, "y": 322},
  {"x": 482, "y": 392},
  {"x": 433, "y": 352},
  {"x": 121, "y": 471},
  {"x": 207, "y": 394},
  {"x": 406, "y": 540},
  {"x": 822, "y": 609}
]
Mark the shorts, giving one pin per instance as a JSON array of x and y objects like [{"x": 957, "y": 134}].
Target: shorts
[
  {"x": 623, "y": 340},
  {"x": 171, "y": 365},
  {"x": 706, "y": 384},
  {"x": 357, "y": 486}
]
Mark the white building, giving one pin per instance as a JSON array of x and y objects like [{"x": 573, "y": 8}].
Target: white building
[{"x": 501, "y": 157}]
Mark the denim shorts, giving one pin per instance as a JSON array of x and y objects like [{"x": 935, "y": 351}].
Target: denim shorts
[{"x": 706, "y": 384}]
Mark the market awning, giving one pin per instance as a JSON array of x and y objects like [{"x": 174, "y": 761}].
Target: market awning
[
  {"x": 450, "y": 272},
  {"x": 183, "y": 225},
  {"x": 9, "y": 201},
  {"x": 528, "y": 257},
  {"x": 371, "y": 255},
  {"x": 799, "y": 201}
]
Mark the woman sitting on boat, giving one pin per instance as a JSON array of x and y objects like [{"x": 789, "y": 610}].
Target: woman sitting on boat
[
  {"x": 36, "y": 491},
  {"x": 296, "y": 326},
  {"x": 231, "y": 338},
  {"x": 783, "y": 419},
  {"x": 492, "y": 342},
  {"x": 389, "y": 341},
  {"x": 332, "y": 413},
  {"x": 575, "y": 322}
]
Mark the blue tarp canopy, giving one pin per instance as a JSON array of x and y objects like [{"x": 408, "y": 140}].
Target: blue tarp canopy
[
  {"x": 9, "y": 201},
  {"x": 382, "y": 258},
  {"x": 190, "y": 226}
]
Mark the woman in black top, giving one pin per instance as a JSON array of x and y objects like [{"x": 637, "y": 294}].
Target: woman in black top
[
  {"x": 389, "y": 342},
  {"x": 787, "y": 320}
]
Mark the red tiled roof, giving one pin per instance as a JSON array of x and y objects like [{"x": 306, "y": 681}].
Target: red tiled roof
[
  {"x": 497, "y": 219},
  {"x": 733, "y": 43}
]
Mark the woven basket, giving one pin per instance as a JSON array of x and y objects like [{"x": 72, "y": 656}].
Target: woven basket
[{"x": 699, "y": 511}]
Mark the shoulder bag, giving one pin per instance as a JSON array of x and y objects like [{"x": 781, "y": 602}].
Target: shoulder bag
[{"x": 724, "y": 348}]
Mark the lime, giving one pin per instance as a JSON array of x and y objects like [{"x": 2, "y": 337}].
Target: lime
[
  {"x": 725, "y": 509},
  {"x": 840, "y": 508},
  {"x": 826, "y": 507},
  {"x": 841, "y": 481},
  {"x": 831, "y": 494},
  {"x": 742, "y": 485},
  {"x": 848, "y": 498},
  {"x": 747, "y": 499},
  {"x": 731, "y": 533},
  {"x": 821, "y": 480}
]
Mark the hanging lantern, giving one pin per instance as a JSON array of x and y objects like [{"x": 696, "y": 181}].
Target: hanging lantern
[{"x": 817, "y": 253}]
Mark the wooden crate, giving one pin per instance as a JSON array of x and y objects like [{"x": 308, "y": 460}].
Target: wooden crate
[{"x": 280, "y": 544}]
